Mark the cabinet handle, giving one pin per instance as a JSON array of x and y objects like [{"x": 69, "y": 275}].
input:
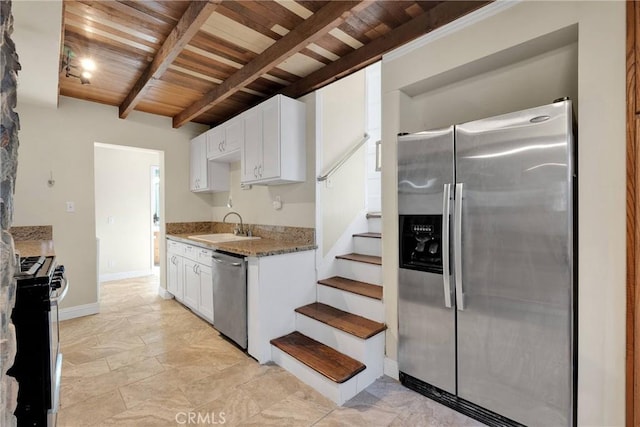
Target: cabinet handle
[
  {"x": 224, "y": 145},
  {"x": 220, "y": 145},
  {"x": 255, "y": 173},
  {"x": 260, "y": 171}
]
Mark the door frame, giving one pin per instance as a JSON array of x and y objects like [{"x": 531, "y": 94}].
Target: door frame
[{"x": 633, "y": 220}]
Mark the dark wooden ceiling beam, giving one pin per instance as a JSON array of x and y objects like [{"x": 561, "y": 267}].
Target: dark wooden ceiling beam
[
  {"x": 316, "y": 26},
  {"x": 438, "y": 16},
  {"x": 187, "y": 27}
]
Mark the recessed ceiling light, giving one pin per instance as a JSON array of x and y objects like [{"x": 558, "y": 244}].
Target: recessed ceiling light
[{"x": 88, "y": 64}]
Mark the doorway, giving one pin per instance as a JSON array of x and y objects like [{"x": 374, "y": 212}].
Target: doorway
[
  {"x": 155, "y": 219},
  {"x": 128, "y": 209}
]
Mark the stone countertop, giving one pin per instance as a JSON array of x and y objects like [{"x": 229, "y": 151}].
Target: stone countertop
[
  {"x": 256, "y": 247},
  {"x": 35, "y": 248}
]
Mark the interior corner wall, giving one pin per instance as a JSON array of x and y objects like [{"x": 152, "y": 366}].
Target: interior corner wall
[
  {"x": 601, "y": 162},
  {"x": 123, "y": 209},
  {"x": 60, "y": 141},
  {"x": 255, "y": 205},
  {"x": 343, "y": 124}
]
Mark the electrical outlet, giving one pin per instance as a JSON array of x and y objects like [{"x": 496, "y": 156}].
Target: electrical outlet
[
  {"x": 111, "y": 220},
  {"x": 111, "y": 263},
  {"x": 277, "y": 203}
]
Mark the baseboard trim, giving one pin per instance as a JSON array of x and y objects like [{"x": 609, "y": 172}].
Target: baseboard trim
[
  {"x": 164, "y": 294},
  {"x": 391, "y": 368},
  {"x": 125, "y": 275},
  {"x": 79, "y": 311}
]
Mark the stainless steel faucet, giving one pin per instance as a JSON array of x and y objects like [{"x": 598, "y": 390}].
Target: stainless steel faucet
[{"x": 236, "y": 230}]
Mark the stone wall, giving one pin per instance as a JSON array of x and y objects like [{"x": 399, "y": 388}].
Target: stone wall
[{"x": 9, "y": 67}]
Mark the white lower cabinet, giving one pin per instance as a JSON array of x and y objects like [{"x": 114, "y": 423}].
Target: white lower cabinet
[
  {"x": 174, "y": 275},
  {"x": 189, "y": 277}
]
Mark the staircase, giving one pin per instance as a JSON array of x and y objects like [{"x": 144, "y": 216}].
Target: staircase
[{"x": 338, "y": 345}]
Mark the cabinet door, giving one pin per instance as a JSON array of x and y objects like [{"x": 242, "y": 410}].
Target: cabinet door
[
  {"x": 198, "y": 163},
  {"x": 270, "y": 166},
  {"x": 191, "y": 284},
  {"x": 251, "y": 153},
  {"x": 175, "y": 276},
  {"x": 206, "y": 292},
  {"x": 194, "y": 164},
  {"x": 234, "y": 134},
  {"x": 215, "y": 142}
]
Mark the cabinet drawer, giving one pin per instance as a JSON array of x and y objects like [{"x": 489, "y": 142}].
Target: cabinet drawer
[
  {"x": 175, "y": 247},
  {"x": 203, "y": 256}
]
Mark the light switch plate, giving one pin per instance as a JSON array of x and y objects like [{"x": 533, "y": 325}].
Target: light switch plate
[{"x": 71, "y": 206}]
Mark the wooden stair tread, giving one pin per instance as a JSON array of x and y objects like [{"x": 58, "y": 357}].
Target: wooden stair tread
[
  {"x": 374, "y": 215},
  {"x": 353, "y": 286},
  {"x": 355, "y": 325},
  {"x": 319, "y": 357},
  {"x": 368, "y": 259},
  {"x": 371, "y": 235}
]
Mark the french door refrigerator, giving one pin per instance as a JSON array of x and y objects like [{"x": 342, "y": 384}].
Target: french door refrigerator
[{"x": 487, "y": 285}]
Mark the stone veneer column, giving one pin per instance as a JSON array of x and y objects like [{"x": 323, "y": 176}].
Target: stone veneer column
[{"x": 9, "y": 67}]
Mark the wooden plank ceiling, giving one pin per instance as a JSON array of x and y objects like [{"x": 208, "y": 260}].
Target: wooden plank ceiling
[{"x": 206, "y": 61}]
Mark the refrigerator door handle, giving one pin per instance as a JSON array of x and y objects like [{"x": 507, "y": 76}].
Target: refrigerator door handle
[
  {"x": 457, "y": 247},
  {"x": 446, "y": 271}
]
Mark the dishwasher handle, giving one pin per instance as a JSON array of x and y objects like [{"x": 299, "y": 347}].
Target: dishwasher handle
[{"x": 221, "y": 261}]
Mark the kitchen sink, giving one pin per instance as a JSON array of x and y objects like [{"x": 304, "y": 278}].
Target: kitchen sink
[{"x": 220, "y": 237}]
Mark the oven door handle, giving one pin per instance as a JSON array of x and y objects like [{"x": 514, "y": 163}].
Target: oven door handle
[{"x": 60, "y": 295}]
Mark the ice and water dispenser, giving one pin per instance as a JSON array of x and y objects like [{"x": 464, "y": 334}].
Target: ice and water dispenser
[{"x": 421, "y": 242}]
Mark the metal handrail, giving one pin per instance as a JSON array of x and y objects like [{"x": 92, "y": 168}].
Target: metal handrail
[{"x": 344, "y": 158}]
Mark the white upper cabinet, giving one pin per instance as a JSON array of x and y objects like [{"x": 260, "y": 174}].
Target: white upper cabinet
[
  {"x": 224, "y": 141},
  {"x": 274, "y": 147},
  {"x": 206, "y": 176}
]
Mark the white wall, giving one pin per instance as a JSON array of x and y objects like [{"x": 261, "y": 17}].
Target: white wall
[
  {"x": 61, "y": 141},
  {"x": 373, "y": 82},
  {"x": 343, "y": 123},
  {"x": 255, "y": 204},
  {"x": 444, "y": 65},
  {"x": 123, "y": 209}
]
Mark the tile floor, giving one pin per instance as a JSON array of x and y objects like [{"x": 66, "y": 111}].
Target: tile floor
[{"x": 145, "y": 361}]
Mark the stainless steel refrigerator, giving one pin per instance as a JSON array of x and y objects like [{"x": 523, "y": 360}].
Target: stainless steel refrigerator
[{"x": 487, "y": 251}]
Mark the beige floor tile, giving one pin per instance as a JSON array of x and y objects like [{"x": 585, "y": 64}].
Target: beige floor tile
[
  {"x": 234, "y": 407},
  {"x": 272, "y": 387},
  {"x": 164, "y": 385},
  {"x": 159, "y": 411},
  {"x": 84, "y": 370},
  {"x": 92, "y": 411},
  {"x": 291, "y": 411},
  {"x": 78, "y": 390},
  {"x": 217, "y": 385}
]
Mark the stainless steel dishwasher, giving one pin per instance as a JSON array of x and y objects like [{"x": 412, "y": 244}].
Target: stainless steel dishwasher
[{"x": 230, "y": 296}]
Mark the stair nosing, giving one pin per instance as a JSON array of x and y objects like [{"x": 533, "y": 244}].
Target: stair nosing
[
  {"x": 377, "y": 261},
  {"x": 341, "y": 380},
  {"x": 328, "y": 282},
  {"x": 380, "y": 327}
]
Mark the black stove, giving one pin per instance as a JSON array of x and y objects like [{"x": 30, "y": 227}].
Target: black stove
[{"x": 40, "y": 286}]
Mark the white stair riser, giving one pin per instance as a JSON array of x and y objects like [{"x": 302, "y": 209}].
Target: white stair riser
[
  {"x": 369, "y": 351},
  {"x": 338, "y": 393},
  {"x": 367, "y": 246},
  {"x": 362, "y": 271},
  {"x": 375, "y": 225},
  {"x": 370, "y": 308}
]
